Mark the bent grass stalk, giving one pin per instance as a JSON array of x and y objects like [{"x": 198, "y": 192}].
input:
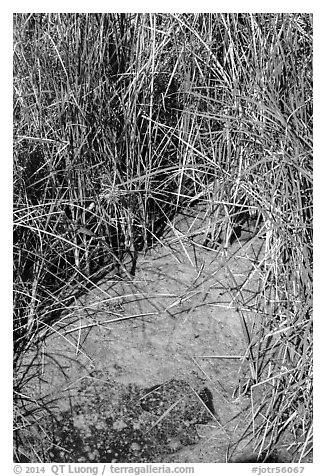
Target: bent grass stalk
[{"x": 120, "y": 121}]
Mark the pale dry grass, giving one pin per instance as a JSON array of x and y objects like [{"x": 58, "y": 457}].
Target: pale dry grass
[{"x": 122, "y": 120}]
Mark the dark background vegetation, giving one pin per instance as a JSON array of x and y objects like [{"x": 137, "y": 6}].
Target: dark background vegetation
[{"x": 122, "y": 121}]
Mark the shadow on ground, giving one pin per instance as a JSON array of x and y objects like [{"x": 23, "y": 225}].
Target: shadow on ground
[{"x": 146, "y": 370}]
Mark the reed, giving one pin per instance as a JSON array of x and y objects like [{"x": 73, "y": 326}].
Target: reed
[{"x": 120, "y": 121}]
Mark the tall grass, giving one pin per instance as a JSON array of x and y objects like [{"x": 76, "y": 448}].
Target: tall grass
[{"x": 120, "y": 121}]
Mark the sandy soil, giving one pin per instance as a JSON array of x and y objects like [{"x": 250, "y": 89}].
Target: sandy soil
[{"x": 146, "y": 370}]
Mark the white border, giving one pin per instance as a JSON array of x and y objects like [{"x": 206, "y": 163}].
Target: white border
[{"x": 319, "y": 192}]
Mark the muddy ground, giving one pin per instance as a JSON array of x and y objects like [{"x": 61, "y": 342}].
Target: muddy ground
[{"x": 147, "y": 370}]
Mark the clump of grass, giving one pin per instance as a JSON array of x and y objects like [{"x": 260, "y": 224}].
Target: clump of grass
[
  {"x": 270, "y": 135},
  {"x": 120, "y": 121},
  {"x": 84, "y": 190}
]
